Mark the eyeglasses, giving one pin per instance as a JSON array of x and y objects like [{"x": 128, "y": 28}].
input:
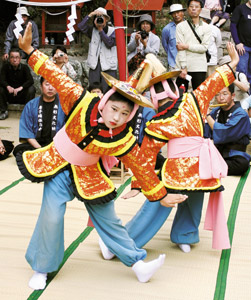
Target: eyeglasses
[
  {"x": 224, "y": 94},
  {"x": 194, "y": 6},
  {"x": 15, "y": 57}
]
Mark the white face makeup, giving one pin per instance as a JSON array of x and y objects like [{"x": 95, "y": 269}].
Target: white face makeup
[{"x": 115, "y": 113}]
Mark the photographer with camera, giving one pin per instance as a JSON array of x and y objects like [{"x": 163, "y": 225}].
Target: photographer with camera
[
  {"x": 142, "y": 42},
  {"x": 60, "y": 58},
  {"x": 102, "y": 54}
]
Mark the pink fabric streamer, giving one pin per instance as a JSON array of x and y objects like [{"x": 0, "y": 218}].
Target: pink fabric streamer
[
  {"x": 215, "y": 220},
  {"x": 211, "y": 165}
]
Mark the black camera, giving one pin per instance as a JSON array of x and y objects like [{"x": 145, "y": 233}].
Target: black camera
[
  {"x": 100, "y": 19},
  {"x": 144, "y": 34}
]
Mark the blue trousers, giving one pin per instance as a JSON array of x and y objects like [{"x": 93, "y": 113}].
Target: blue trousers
[
  {"x": 46, "y": 249},
  {"x": 244, "y": 64},
  {"x": 95, "y": 76},
  {"x": 152, "y": 215}
]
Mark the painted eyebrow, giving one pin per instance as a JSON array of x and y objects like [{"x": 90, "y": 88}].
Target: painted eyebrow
[{"x": 115, "y": 106}]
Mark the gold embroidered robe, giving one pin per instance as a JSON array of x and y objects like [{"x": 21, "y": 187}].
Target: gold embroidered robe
[
  {"x": 91, "y": 183},
  {"x": 184, "y": 119}
]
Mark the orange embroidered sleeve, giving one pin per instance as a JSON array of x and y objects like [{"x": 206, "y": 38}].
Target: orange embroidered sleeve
[
  {"x": 69, "y": 91},
  {"x": 142, "y": 165},
  {"x": 223, "y": 76}
]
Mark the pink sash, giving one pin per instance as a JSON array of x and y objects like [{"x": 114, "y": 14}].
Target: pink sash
[
  {"x": 211, "y": 165},
  {"x": 76, "y": 156}
]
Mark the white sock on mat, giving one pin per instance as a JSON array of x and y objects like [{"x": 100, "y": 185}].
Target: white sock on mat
[
  {"x": 185, "y": 247},
  {"x": 38, "y": 281},
  {"x": 107, "y": 254},
  {"x": 144, "y": 271}
]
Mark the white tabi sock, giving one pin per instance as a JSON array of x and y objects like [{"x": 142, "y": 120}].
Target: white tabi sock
[
  {"x": 107, "y": 254},
  {"x": 144, "y": 271},
  {"x": 38, "y": 281},
  {"x": 186, "y": 248}
]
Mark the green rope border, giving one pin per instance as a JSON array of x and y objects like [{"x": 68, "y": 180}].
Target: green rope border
[
  {"x": 73, "y": 246},
  {"x": 14, "y": 183},
  {"x": 221, "y": 281}
]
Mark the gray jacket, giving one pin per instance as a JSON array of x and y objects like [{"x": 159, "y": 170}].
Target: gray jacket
[
  {"x": 99, "y": 51},
  {"x": 153, "y": 44},
  {"x": 12, "y": 42}
]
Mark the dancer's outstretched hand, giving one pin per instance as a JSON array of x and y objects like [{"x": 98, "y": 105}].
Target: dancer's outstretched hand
[
  {"x": 131, "y": 194},
  {"x": 24, "y": 41},
  {"x": 233, "y": 54},
  {"x": 172, "y": 199}
]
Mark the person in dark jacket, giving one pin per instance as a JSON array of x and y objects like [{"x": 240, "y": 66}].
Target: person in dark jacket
[
  {"x": 11, "y": 40},
  {"x": 16, "y": 83}
]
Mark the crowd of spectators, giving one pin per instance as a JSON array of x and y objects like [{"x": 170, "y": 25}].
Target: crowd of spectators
[{"x": 192, "y": 35}]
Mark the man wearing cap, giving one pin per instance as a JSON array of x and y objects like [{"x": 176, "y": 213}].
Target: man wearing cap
[
  {"x": 143, "y": 41},
  {"x": 169, "y": 34},
  {"x": 191, "y": 57},
  {"x": 102, "y": 54},
  {"x": 11, "y": 40}
]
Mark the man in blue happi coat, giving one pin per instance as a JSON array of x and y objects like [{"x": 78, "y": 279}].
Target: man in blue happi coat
[
  {"x": 41, "y": 118},
  {"x": 228, "y": 125}
]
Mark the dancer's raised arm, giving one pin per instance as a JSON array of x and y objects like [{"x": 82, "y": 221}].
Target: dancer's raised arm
[{"x": 68, "y": 90}]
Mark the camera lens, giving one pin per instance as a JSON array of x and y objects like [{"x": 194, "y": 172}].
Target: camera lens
[
  {"x": 61, "y": 54},
  {"x": 144, "y": 34},
  {"x": 100, "y": 20}
]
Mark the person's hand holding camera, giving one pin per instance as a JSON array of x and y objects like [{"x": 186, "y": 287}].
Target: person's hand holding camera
[
  {"x": 66, "y": 58},
  {"x": 60, "y": 56},
  {"x": 99, "y": 19},
  {"x": 141, "y": 36},
  {"x": 137, "y": 37},
  {"x": 94, "y": 13}
]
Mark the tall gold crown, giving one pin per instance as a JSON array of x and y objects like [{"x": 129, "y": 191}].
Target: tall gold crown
[{"x": 154, "y": 72}]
